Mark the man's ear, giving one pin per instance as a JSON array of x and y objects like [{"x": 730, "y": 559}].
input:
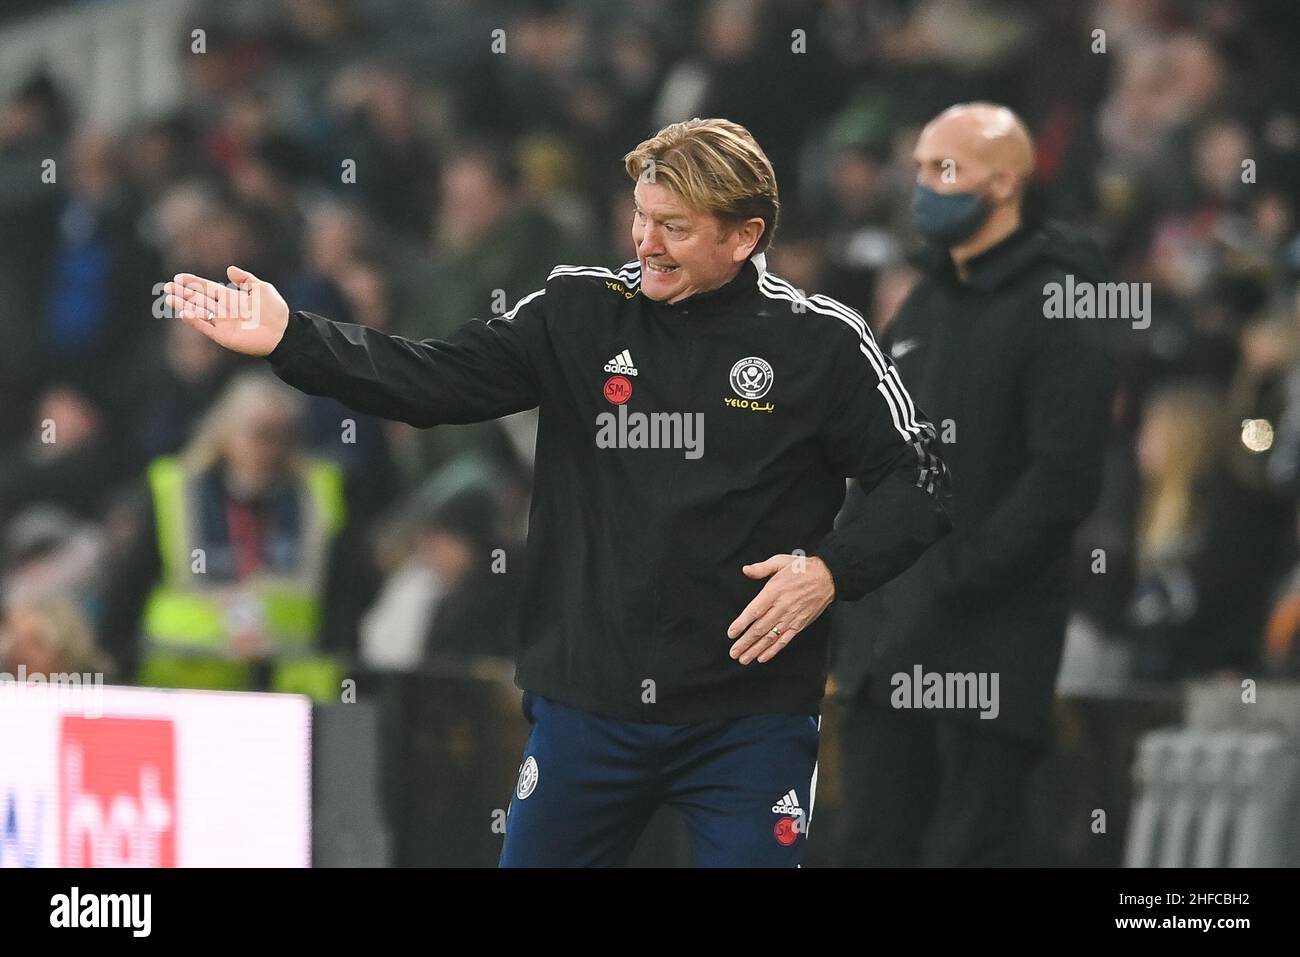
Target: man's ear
[
  {"x": 748, "y": 233},
  {"x": 1005, "y": 185}
]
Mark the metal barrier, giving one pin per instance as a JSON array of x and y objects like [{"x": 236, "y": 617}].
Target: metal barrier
[{"x": 1225, "y": 791}]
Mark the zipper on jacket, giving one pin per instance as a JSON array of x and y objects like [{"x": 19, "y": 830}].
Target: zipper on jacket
[{"x": 657, "y": 584}]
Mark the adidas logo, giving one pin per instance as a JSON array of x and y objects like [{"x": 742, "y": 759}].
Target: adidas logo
[
  {"x": 789, "y": 804},
  {"x": 621, "y": 363}
]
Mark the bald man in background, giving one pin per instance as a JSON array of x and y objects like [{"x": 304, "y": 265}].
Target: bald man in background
[{"x": 937, "y": 774}]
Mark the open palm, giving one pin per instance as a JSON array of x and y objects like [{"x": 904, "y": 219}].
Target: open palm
[{"x": 250, "y": 318}]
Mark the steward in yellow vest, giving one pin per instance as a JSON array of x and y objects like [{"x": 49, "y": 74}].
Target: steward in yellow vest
[{"x": 202, "y": 632}]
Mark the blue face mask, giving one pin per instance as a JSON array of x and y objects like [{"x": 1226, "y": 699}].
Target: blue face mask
[{"x": 948, "y": 218}]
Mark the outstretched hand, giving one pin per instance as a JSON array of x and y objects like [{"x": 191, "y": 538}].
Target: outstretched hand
[{"x": 250, "y": 318}]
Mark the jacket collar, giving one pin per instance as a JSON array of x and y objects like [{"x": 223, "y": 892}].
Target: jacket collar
[{"x": 990, "y": 268}]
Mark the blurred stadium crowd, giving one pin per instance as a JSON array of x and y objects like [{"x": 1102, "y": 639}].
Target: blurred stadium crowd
[{"x": 380, "y": 163}]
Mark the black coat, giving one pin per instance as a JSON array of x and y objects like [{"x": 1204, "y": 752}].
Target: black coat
[
  {"x": 635, "y": 547},
  {"x": 1020, "y": 402}
]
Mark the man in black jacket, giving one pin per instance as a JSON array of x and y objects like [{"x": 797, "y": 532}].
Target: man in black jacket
[
  {"x": 656, "y": 668},
  {"x": 949, "y": 670}
]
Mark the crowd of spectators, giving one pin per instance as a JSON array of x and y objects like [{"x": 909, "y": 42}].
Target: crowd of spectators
[{"x": 412, "y": 165}]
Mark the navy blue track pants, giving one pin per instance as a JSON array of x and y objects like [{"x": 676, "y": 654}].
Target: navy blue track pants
[{"x": 589, "y": 784}]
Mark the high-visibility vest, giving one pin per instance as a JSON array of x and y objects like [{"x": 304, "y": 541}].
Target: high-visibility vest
[{"x": 187, "y": 614}]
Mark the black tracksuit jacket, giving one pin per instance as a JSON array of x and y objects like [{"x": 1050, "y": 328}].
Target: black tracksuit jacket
[{"x": 635, "y": 553}]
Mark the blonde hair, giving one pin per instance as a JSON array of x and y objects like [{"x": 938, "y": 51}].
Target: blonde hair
[
  {"x": 246, "y": 393},
  {"x": 715, "y": 166},
  {"x": 1192, "y": 418},
  {"x": 64, "y": 627}
]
